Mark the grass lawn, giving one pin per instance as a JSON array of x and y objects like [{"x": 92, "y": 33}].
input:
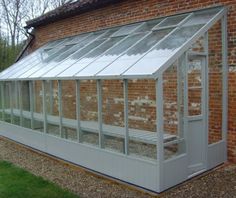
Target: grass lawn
[{"x": 18, "y": 183}]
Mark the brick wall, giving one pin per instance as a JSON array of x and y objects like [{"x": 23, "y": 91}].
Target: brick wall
[{"x": 136, "y": 10}]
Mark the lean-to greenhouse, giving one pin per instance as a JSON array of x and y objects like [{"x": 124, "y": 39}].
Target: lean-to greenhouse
[{"x": 130, "y": 102}]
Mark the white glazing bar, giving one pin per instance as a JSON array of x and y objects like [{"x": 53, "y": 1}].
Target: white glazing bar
[
  {"x": 99, "y": 95},
  {"x": 79, "y": 136},
  {"x": 51, "y": 96},
  {"x": 206, "y": 89},
  {"x": 185, "y": 75},
  {"x": 1, "y": 117},
  {"x": 225, "y": 78},
  {"x": 179, "y": 97},
  {"x": 16, "y": 95},
  {"x": 31, "y": 104},
  {"x": 126, "y": 116},
  {"x": 44, "y": 107},
  {"x": 159, "y": 124},
  {"x": 20, "y": 102},
  {"x": 60, "y": 108},
  {"x": 3, "y": 101},
  {"x": 11, "y": 100}
]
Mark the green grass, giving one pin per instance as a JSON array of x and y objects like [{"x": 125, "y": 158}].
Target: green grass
[{"x": 18, "y": 183}]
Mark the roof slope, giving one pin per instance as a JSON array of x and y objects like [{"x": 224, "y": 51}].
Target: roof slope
[
  {"x": 138, "y": 50},
  {"x": 68, "y": 10}
]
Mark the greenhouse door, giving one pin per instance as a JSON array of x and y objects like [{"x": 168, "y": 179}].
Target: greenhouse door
[{"x": 196, "y": 114}]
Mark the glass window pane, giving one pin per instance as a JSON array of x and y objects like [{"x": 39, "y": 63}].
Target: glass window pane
[
  {"x": 38, "y": 106},
  {"x": 173, "y": 108},
  {"x": 69, "y": 119},
  {"x": 1, "y": 102},
  {"x": 15, "y": 103},
  {"x": 25, "y": 99},
  {"x": 52, "y": 107},
  {"x": 142, "y": 118},
  {"x": 113, "y": 115},
  {"x": 7, "y": 105},
  {"x": 89, "y": 112}
]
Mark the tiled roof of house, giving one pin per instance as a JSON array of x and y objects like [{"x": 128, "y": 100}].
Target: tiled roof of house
[{"x": 68, "y": 10}]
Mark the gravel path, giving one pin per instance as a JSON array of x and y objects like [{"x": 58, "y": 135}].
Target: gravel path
[{"x": 218, "y": 183}]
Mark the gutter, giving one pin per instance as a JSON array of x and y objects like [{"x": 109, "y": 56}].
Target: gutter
[{"x": 26, "y": 46}]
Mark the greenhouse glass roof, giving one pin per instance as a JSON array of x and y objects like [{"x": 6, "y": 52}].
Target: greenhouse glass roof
[{"x": 132, "y": 51}]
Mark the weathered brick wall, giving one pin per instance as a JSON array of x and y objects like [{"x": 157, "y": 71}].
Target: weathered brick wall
[
  {"x": 215, "y": 83},
  {"x": 136, "y": 10}
]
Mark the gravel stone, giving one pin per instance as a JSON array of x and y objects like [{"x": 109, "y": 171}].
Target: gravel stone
[{"x": 220, "y": 182}]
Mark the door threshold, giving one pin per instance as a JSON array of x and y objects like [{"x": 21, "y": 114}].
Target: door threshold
[{"x": 197, "y": 173}]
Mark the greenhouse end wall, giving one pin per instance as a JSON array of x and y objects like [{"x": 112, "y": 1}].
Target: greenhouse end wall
[{"x": 132, "y": 11}]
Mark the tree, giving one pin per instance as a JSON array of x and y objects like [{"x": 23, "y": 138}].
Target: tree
[
  {"x": 13, "y": 13},
  {"x": 37, "y": 8},
  {"x": 57, "y": 3}
]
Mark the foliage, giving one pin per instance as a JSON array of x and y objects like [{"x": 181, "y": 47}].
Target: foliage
[
  {"x": 8, "y": 53},
  {"x": 18, "y": 183}
]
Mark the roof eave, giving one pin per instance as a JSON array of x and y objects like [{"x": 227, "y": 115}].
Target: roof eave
[{"x": 73, "y": 10}]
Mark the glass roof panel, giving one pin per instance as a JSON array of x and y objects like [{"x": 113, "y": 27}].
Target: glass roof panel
[
  {"x": 68, "y": 63},
  {"x": 138, "y": 49},
  {"x": 174, "y": 41},
  {"x": 135, "y": 53},
  {"x": 101, "y": 35},
  {"x": 52, "y": 44},
  {"x": 201, "y": 17},
  {"x": 33, "y": 67},
  {"x": 36, "y": 66},
  {"x": 148, "y": 25},
  {"x": 111, "y": 55},
  {"x": 160, "y": 54},
  {"x": 172, "y": 21},
  {"x": 16, "y": 65},
  {"x": 90, "y": 57},
  {"x": 41, "y": 67},
  {"x": 31, "y": 58},
  {"x": 146, "y": 66},
  {"x": 126, "y": 30}
]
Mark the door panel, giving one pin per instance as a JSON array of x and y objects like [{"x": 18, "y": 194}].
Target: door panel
[{"x": 196, "y": 132}]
